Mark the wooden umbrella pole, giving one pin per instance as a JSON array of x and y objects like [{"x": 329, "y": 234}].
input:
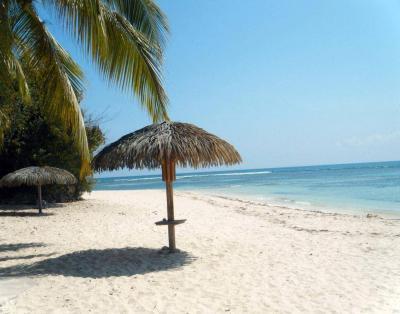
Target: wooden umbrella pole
[
  {"x": 170, "y": 213},
  {"x": 169, "y": 176},
  {"x": 40, "y": 198}
]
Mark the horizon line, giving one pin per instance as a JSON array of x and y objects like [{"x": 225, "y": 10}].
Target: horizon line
[{"x": 254, "y": 169}]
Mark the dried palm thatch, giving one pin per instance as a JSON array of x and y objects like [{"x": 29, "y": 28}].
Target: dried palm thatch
[
  {"x": 165, "y": 145},
  {"x": 186, "y": 144},
  {"x": 38, "y": 176}
]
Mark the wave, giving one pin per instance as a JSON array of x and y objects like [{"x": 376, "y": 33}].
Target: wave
[
  {"x": 222, "y": 174},
  {"x": 196, "y": 175},
  {"x": 137, "y": 179}
]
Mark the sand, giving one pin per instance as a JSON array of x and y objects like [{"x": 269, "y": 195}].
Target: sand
[{"x": 102, "y": 255}]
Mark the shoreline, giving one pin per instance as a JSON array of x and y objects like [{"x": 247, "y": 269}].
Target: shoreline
[
  {"x": 384, "y": 214},
  {"x": 103, "y": 254},
  {"x": 361, "y": 188}
]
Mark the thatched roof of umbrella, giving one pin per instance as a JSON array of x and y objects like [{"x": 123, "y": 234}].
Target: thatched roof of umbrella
[
  {"x": 38, "y": 176},
  {"x": 165, "y": 145},
  {"x": 186, "y": 144}
]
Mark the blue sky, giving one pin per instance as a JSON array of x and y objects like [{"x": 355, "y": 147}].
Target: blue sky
[{"x": 287, "y": 82}]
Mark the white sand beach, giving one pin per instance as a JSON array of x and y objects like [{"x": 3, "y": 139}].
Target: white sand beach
[{"x": 102, "y": 255}]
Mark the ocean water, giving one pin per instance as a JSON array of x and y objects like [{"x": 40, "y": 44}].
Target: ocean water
[{"x": 352, "y": 188}]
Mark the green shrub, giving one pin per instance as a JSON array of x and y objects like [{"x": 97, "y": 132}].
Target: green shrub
[{"x": 31, "y": 139}]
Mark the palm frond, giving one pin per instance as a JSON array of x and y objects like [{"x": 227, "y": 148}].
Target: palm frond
[
  {"x": 121, "y": 51},
  {"x": 83, "y": 20},
  {"x": 133, "y": 64},
  {"x": 124, "y": 39},
  {"x": 10, "y": 67},
  {"x": 145, "y": 16},
  {"x": 61, "y": 76},
  {"x": 4, "y": 124},
  {"x": 6, "y": 36},
  {"x": 11, "y": 71}
]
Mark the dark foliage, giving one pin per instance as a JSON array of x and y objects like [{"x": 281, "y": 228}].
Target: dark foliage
[{"x": 32, "y": 139}]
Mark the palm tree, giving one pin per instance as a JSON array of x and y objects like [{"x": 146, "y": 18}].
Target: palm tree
[{"x": 123, "y": 38}]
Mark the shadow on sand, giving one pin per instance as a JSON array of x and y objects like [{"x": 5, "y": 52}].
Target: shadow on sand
[
  {"x": 23, "y": 214},
  {"x": 19, "y": 207},
  {"x": 12, "y": 210},
  {"x": 102, "y": 263},
  {"x": 19, "y": 246},
  {"x": 9, "y": 258}
]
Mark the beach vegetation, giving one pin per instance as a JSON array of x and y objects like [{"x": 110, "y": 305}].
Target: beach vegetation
[
  {"x": 123, "y": 39},
  {"x": 32, "y": 137}
]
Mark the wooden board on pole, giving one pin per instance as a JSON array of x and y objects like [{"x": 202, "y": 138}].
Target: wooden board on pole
[{"x": 165, "y": 222}]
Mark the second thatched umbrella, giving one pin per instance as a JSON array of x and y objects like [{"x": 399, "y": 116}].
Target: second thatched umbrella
[
  {"x": 166, "y": 145},
  {"x": 38, "y": 176}
]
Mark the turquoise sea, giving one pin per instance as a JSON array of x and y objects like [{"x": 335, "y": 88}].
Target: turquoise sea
[{"x": 352, "y": 188}]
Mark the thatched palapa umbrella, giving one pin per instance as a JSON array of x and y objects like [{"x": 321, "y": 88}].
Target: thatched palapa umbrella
[
  {"x": 38, "y": 176},
  {"x": 166, "y": 145}
]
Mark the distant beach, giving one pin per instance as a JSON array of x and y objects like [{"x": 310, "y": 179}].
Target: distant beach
[
  {"x": 360, "y": 188},
  {"x": 103, "y": 255}
]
